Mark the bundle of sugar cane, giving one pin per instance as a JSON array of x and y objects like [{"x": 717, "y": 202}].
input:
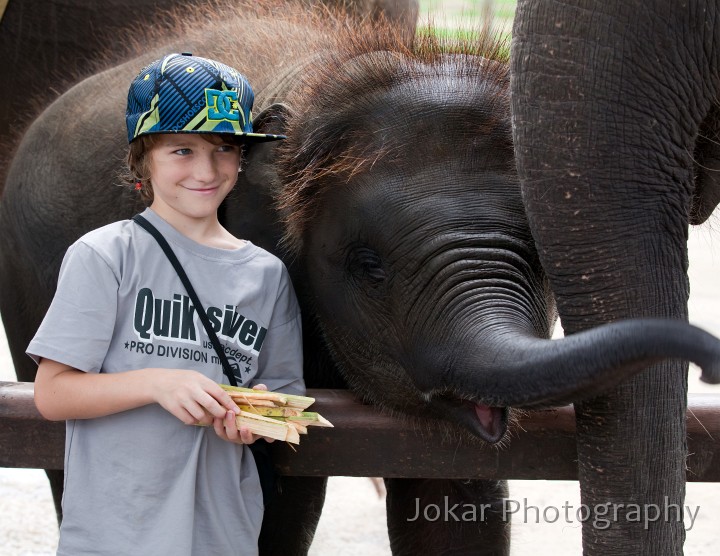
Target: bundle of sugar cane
[
  {"x": 274, "y": 414},
  {"x": 266, "y": 398}
]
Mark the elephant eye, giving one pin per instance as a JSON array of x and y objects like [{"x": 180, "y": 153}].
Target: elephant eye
[{"x": 365, "y": 266}]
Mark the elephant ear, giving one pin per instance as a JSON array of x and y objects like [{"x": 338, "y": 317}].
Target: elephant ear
[
  {"x": 707, "y": 169},
  {"x": 260, "y": 167},
  {"x": 249, "y": 212}
]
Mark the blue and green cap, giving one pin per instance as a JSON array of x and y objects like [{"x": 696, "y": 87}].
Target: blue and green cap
[{"x": 181, "y": 93}]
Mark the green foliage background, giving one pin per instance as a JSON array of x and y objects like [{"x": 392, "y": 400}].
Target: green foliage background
[
  {"x": 462, "y": 19},
  {"x": 501, "y": 9}
]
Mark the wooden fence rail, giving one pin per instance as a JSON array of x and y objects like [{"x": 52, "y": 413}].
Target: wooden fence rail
[{"x": 368, "y": 443}]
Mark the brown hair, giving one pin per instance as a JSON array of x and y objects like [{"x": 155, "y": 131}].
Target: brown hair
[{"x": 138, "y": 160}]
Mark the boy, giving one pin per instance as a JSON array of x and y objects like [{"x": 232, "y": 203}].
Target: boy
[{"x": 125, "y": 360}]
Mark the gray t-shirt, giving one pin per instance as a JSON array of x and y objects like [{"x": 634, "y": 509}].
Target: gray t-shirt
[{"x": 140, "y": 481}]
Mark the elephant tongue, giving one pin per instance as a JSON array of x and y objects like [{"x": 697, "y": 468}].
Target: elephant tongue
[
  {"x": 484, "y": 421},
  {"x": 491, "y": 421}
]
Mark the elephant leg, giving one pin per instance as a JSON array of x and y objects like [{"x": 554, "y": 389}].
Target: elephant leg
[
  {"x": 292, "y": 516},
  {"x": 631, "y": 465},
  {"x": 23, "y": 302},
  {"x": 22, "y": 305},
  {"x": 56, "y": 478},
  {"x": 446, "y": 516},
  {"x": 607, "y": 111}
]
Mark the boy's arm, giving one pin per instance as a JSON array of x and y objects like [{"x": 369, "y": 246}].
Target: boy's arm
[{"x": 62, "y": 392}]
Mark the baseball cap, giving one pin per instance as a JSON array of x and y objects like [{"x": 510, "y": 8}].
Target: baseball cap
[{"x": 182, "y": 93}]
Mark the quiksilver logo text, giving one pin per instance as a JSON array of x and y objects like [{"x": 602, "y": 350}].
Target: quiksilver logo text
[{"x": 177, "y": 319}]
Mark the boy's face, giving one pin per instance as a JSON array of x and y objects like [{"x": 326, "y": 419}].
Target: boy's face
[{"x": 191, "y": 176}]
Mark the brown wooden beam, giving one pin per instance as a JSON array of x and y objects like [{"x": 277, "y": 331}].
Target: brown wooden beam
[{"x": 366, "y": 442}]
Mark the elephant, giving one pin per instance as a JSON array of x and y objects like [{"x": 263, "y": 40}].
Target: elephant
[
  {"x": 615, "y": 127},
  {"x": 397, "y": 208},
  {"x": 48, "y": 49}
]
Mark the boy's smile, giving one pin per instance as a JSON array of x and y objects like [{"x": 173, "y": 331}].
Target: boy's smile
[{"x": 190, "y": 176}]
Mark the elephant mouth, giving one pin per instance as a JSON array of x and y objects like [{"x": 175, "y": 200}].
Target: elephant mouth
[{"x": 486, "y": 422}]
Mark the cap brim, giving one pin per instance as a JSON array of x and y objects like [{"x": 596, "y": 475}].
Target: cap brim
[
  {"x": 251, "y": 137},
  {"x": 261, "y": 137}
]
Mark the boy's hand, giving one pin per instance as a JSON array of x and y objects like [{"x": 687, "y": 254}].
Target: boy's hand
[
  {"x": 192, "y": 397},
  {"x": 226, "y": 428}
]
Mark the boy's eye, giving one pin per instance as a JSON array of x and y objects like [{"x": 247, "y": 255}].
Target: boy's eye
[
  {"x": 227, "y": 148},
  {"x": 182, "y": 151}
]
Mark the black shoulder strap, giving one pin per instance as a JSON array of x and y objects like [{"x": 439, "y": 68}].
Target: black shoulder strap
[{"x": 153, "y": 231}]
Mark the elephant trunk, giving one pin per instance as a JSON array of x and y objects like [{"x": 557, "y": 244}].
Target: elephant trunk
[
  {"x": 483, "y": 376},
  {"x": 542, "y": 372}
]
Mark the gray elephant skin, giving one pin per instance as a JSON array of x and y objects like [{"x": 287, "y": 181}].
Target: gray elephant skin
[
  {"x": 397, "y": 207},
  {"x": 615, "y": 119}
]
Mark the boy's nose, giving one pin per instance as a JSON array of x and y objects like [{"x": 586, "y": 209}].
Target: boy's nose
[{"x": 205, "y": 168}]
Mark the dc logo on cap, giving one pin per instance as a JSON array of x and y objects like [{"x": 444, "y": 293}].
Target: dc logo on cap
[{"x": 222, "y": 105}]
